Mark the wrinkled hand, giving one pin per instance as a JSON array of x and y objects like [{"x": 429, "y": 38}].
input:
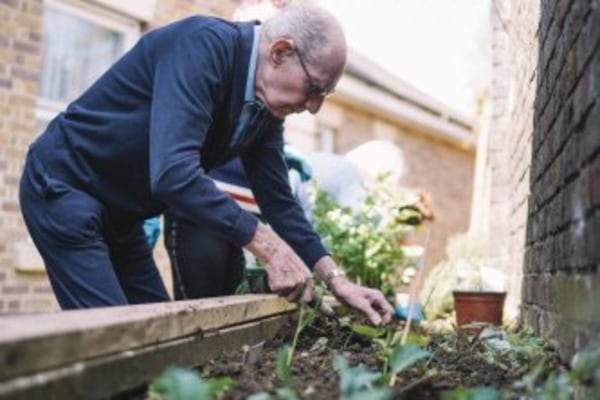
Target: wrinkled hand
[
  {"x": 370, "y": 302},
  {"x": 287, "y": 274},
  {"x": 366, "y": 300}
]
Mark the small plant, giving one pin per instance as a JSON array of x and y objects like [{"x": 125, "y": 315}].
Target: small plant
[
  {"x": 395, "y": 356},
  {"x": 187, "y": 384},
  {"x": 358, "y": 383},
  {"x": 517, "y": 351},
  {"x": 285, "y": 355},
  {"x": 306, "y": 316},
  {"x": 541, "y": 382},
  {"x": 366, "y": 241}
]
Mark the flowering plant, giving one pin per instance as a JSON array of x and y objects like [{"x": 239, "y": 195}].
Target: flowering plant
[{"x": 365, "y": 240}]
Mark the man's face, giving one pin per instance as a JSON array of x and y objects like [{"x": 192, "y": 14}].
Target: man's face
[{"x": 291, "y": 85}]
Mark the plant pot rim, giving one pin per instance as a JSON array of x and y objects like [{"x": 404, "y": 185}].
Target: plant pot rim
[{"x": 477, "y": 292}]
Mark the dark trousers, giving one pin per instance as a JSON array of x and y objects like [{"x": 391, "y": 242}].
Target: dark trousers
[
  {"x": 90, "y": 262},
  {"x": 203, "y": 264}
]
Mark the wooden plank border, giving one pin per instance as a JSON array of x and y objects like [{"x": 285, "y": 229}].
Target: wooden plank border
[
  {"x": 102, "y": 377},
  {"x": 33, "y": 343}
]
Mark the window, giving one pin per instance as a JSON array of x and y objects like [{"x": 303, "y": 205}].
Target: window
[
  {"x": 80, "y": 43},
  {"x": 326, "y": 139}
]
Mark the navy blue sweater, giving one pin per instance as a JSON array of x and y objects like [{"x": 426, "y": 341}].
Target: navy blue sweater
[{"x": 144, "y": 135}]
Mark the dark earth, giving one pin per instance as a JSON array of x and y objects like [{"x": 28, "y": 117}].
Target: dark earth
[{"x": 455, "y": 360}]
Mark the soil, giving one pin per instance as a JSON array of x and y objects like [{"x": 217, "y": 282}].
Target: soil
[{"x": 314, "y": 377}]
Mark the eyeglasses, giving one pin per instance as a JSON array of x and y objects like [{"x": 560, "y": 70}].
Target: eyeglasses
[{"x": 314, "y": 90}]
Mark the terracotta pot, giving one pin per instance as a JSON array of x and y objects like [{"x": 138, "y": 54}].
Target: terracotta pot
[{"x": 478, "y": 307}]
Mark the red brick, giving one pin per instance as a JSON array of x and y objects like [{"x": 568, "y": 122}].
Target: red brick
[
  {"x": 14, "y": 305},
  {"x": 10, "y": 3},
  {"x": 15, "y": 289},
  {"x": 43, "y": 290}
]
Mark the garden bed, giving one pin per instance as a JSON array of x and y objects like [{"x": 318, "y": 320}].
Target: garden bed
[
  {"x": 455, "y": 362},
  {"x": 332, "y": 359}
]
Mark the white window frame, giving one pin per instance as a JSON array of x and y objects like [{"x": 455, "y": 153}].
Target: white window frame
[{"x": 130, "y": 28}]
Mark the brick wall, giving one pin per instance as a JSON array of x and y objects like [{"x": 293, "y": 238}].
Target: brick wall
[
  {"x": 20, "y": 59},
  {"x": 171, "y": 10},
  {"x": 514, "y": 61},
  {"x": 546, "y": 100}
]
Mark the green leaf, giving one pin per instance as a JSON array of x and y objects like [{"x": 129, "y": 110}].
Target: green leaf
[
  {"x": 480, "y": 393},
  {"x": 219, "y": 386},
  {"x": 370, "y": 394},
  {"x": 368, "y": 331},
  {"x": 403, "y": 357},
  {"x": 354, "y": 379},
  {"x": 557, "y": 387},
  {"x": 287, "y": 393},
  {"x": 180, "y": 384},
  {"x": 420, "y": 340},
  {"x": 281, "y": 366},
  {"x": 259, "y": 396},
  {"x": 586, "y": 363}
]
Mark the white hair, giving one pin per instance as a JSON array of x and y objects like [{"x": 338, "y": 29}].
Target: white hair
[{"x": 310, "y": 27}]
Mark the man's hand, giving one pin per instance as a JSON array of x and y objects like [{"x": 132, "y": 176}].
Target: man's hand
[
  {"x": 370, "y": 302},
  {"x": 287, "y": 274}
]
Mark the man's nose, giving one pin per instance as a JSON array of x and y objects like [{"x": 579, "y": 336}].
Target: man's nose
[{"x": 314, "y": 103}]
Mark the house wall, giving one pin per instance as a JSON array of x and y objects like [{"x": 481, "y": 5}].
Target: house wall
[
  {"x": 20, "y": 60},
  {"x": 514, "y": 62},
  {"x": 544, "y": 151}
]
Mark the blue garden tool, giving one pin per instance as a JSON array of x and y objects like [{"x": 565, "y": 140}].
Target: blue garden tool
[{"x": 401, "y": 312}]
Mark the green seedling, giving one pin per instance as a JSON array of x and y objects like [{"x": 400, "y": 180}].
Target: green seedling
[
  {"x": 306, "y": 316},
  {"x": 285, "y": 355},
  {"x": 187, "y": 384},
  {"x": 358, "y": 383},
  {"x": 284, "y": 375},
  {"x": 519, "y": 350},
  {"x": 394, "y": 356}
]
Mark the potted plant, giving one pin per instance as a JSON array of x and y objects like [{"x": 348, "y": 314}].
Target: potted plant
[
  {"x": 464, "y": 282},
  {"x": 479, "y": 296},
  {"x": 478, "y": 306}
]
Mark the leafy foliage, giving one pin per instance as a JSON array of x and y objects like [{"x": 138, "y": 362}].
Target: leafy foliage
[
  {"x": 403, "y": 357},
  {"x": 543, "y": 381},
  {"x": 285, "y": 356},
  {"x": 282, "y": 367},
  {"x": 586, "y": 364},
  {"x": 523, "y": 349},
  {"x": 186, "y": 384},
  {"x": 395, "y": 356},
  {"x": 365, "y": 241},
  {"x": 358, "y": 383}
]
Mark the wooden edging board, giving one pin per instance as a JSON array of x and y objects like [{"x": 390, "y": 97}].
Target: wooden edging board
[
  {"x": 33, "y": 343},
  {"x": 106, "y": 376}
]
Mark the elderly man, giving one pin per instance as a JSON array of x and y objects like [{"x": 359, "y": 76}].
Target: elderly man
[{"x": 187, "y": 97}]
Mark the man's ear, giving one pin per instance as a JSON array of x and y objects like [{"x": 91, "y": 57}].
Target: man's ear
[{"x": 279, "y": 50}]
